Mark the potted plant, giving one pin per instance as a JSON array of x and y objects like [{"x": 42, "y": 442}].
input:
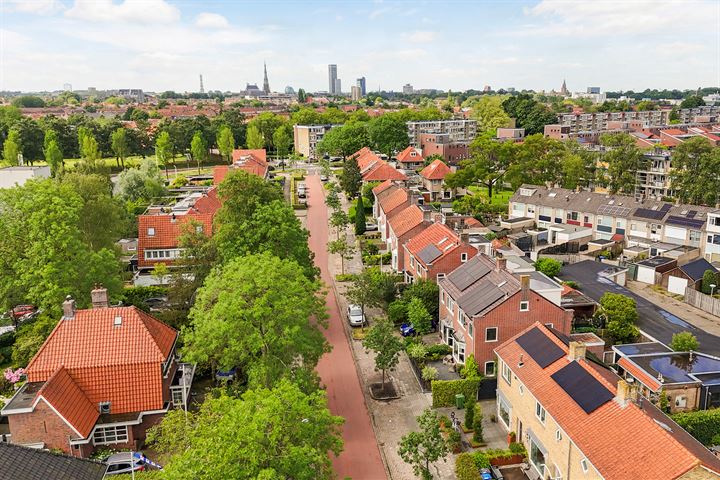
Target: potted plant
[
  {"x": 454, "y": 441},
  {"x": 511, "y": 437}
]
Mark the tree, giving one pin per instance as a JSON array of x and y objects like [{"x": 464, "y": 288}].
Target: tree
[
  {"x": 578, "y": 166},
  {"x": 267, "y": 434},
  {"x": 28, "y": 101},
  {"x": 199, "y": 149},
  {"x": 120, "y": 145},
  {"x": 387, "y": 347},
  {"x": 695, "y": 176},
  {"x": 365, "y": 290},
  {"x": 301, "y": 95},
  {"x": 538, "y": 160},
  {"x": 339, "y": 220},
  {"x": 620, "y": 314},
  {"x": 54, "y": 157},
  {"x": 528, "y": 113},
  {"x": 262, "y": 314},
  {"x": 343, "y": 248},
  {"x": 488, "y": 112},
  {"x": 623, "y": 159},
  {"x": 428, "y": 292},
  {"x": 548, "y": 266},
  {"x": 43, "y": 254},
  {"x": 254, "y": 138},
  {"x": 226, "y": 143},
  {"x": 332, "y": 200},
  {"x": 388, "y": 134},
  {"x": 282, "y": 139},
  {"x": 163, "y": 150},
  {"x": 266, "y": 124},
  {"x": 11, "y": 147},
  {"x": 140, "y": 184},
  {"x": 351, "y": 179},
  {"x": 29, "y": 337},
  {"x": 422, "y": 448},
  {"x": 710, "y": 277},
  {"x": 419, "y": 317},
  {"x": 360, "y": 216},
  {"x": 489, "y": 162},
  {"x": 89, "y": 151},
  {"x": 470, "y": 413},
  {"x": 684, "y": 342},
  {"x": 692, "y": 101},
  {"x": 345, "y": 140}
]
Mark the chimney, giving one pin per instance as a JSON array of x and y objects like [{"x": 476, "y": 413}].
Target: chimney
[
  {"x": 68, "y": 308},
  {"x": 501, "y": 264},
  {"x": 576, "y": 351},
  {"x": 99, "y": 297},
  {"x": 524, "y": 282},
  {"x": 625, "y": 393}
]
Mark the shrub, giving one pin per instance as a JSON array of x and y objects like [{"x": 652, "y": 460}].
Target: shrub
[
  {"x": 684, "y": 342},
  {"x": 466, "y": 467},
  {"x": 481, "y": 460},
  {"x": 429, "y": 373},
  {"x": 454, "y": 440},
  {"x": 470, "y": 415},
  {"x": 437, "y": 352},
  {"x": 548, "y": 266},
  {"x": 179, "y": 181},
  {"x": 572, "y": 284},
  {"x": 398, "y": 312},
  {"x": 137, "y": 295},
  {"x": 704, "y": 425},
  {"x": 470, "y": 369},
  {"x": 517, "y": 448},
  {"x": 444, "y": 391},
  {"x": 709, "y": 278},
  {"x": 344, "y": 277},
  {"x": 416, "y": 351},
  {"x": 370, "y": 248},
  {"x": 478, "y": 428},
  {"x": 419, "y": 316}
]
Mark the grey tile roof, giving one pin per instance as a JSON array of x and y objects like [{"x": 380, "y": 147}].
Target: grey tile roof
[
  {"x": 429, "y": 253},
  {"x": 22, "y": 463},
  {"x": 696, "y": 269},
  {"x": 478, "y": 299}
]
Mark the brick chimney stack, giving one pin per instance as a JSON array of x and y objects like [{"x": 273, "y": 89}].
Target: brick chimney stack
[
  {"x": 68, "y": 308},
  {"x": 500, "y": 264},
  {"x": 99, "y": 297},
  {"x": 576, "y": 351},
  {"x": 625, "y": 393},
  {"x": 524, "y": 283}
]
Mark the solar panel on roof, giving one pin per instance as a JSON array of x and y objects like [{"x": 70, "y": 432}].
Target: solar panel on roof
[
  {"x": 429, "y": 253},
  {"x": 478, "y": 299},
  {"x": 582, "y": 387},
  {"x": 685, "y": 222},
  {"x": 614, "y": 210},
  {"x": 666, "y": 207},
  {"x": 647, "y": 213},
  {"x": 540, "y": 348},
  {"x": 691, "y": 214},
  {"x": 468, "y": 274}
]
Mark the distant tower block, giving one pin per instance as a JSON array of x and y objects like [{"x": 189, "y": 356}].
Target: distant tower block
[{"x": 202, "y": 88}]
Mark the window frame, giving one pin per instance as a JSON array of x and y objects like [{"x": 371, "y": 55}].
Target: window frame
[
  {"x": 506, "y": 372},
  {"x": 526, "y": 303},
  {"x": 494, "y": 369},
  {"x": 540, "y": 412},
  {"x": 487, "y": 330},
  {"x": 117, "y": 435}
]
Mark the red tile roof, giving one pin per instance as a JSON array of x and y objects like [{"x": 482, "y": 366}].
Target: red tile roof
[
  {"x": 259, "y": 153},
  {"x": 436, "y": 170},
  {"x": 381, "y": 171},
  {"x": 410, "y": 155},
  {"x": 251, "y": 161},
  {"x": 437, "y": 234},
  {"x": 64, "y": 395},
  {"x": 394, "y": 199},
  {"x": 472, "y": 221},
  {"x": 406, "y": 220},
  {"x": 108, "y": 362},
  {"x": 619, "y": 441},
  {"x": 673, "y": 131},
  {"x": 382, "y": 187}
]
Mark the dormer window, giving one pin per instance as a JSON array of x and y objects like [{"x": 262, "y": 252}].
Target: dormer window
[
  {"x": 463, "y": 257},
  {"x": 151, "y": 232}
]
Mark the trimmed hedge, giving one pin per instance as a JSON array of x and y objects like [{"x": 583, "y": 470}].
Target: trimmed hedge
[
  {"x": 444, "y": 391},
  {"x": 465, "y": 468},
  {"x": 704, "y": 425}
]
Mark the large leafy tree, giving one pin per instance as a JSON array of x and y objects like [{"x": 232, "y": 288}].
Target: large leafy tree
[
  {"x": 488, "y": 112},
  {"x": 262, "y": 314},
  {"x": 623, "y": 159},
  {"x": 43, "y": 252},
  {"x": 620, "y": 315},
  {"x": 54, "y": 157},
  {"x": 578, "y": 165},
  {"x": 199, "y": 149},
  {"x": 365, "y": 290},
  {"x": 140, "y": 184},
  {"x": 345, "y": 140},
  {"x": 351, "y": 179},
  {"x": 254, "y": 138},
  {"x": 120, "y": 146},
  {"x": 529, "y": 113},
  {"x": 226, "y": 143},
  {"x": 423, "y": 448},
  {"x": 487, "y": 166},
  {"x": 427, "y": 291},
  {"x": 267, "y": 434},
  {"x": 11, "y": 148},
  {"x": 282, "y": 139},
  {"x": 695, "y": 176},
  {"x": 387, "y": 347},
  {"x": 164, "y": 150},
  {"x": 538, "y": 160},
  {"x": 266, "y": 123},
  {"x": 389, "y": 134}
]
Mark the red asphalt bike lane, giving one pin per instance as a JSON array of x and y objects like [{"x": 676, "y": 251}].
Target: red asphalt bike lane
[{"x": 360, "y": 458}]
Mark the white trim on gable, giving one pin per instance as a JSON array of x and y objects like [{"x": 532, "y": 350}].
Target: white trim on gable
[{"x": 40, "y": 397}]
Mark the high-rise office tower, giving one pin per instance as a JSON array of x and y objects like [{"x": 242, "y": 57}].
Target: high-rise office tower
[
  {"x": 338, "y": 87},
  {"x": 266, "y": 84},
  {"x": 332, "y": 79},
  {"x": 361, "y": 84}
]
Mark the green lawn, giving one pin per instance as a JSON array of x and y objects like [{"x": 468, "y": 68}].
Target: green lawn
[{"x": 500, "y": 197}]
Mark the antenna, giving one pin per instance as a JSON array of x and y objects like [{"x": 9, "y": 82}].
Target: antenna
[{"x": 202, "y": 88}]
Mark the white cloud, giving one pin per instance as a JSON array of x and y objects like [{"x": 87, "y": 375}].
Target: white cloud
[
  {"x": 130, "y": 11},
  {"x": 35, "y": 7},
  {"x": 420, "y": 36},
  {"x": 211, "y": 20}
]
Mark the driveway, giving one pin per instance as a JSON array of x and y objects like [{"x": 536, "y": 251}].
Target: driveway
[
  {"x": 361, "y": 457},
  {"x": 654, "y": 321}
]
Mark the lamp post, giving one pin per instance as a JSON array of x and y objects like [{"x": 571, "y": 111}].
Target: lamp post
[{"x": 712, "y": 288}]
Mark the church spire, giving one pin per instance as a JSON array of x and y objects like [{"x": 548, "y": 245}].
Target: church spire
[
  {"x": 266, "y": 84},
  {"x": 564, "y": 89}
]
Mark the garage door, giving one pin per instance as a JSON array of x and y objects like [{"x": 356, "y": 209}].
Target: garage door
[{"x": 677, "y": 285}]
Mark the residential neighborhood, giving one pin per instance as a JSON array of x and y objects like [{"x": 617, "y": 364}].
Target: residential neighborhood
[{"x": 365, "y": 249}]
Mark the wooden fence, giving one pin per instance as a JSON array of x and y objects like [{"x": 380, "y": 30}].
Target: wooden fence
[{"x": 703, "y": 302}]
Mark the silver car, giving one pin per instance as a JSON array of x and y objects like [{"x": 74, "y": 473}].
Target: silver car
[
  {"x": 123, "y": 462},
  {"x": 355, "y": 316}
]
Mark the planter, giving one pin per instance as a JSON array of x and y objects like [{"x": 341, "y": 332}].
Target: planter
[
  {"x": 511, "y": 438},
  {"x": 503, "y": 461}
]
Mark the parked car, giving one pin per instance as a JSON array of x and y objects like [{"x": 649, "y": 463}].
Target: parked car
[
  {"x": 371, "y": 227},
  {"x": 123, "y": 462},
  {"x": 323, "y": 178},
  {"x": 22, "y": 310},
  {"x": 156, "y": 303},
  {"x": 356, "y": 317},
  {"x": 408, "y": 329}
]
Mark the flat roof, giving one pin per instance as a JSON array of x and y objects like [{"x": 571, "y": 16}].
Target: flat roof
[
  {"x": 677, "y": 367},
  {"x": 642, "y": 348},
  {"x": 656, "y": 261},
  {"x": 601, "y": 241}
]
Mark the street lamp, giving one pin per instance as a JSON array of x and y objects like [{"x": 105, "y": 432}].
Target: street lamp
[{"x": 712, "y": 288}]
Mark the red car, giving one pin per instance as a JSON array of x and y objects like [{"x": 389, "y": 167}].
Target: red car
[{"x": 22, "y": 310}]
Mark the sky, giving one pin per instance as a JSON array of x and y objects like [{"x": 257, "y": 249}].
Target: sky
[{"x": 455, "y": 45}]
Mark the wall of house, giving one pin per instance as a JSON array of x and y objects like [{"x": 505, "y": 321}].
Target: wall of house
[
  {"x": 41, "y": 426},
  {"x": 691, "y": 394},
  {"x": 398, "y": 242},
  {"x": 561, "y": 453}
]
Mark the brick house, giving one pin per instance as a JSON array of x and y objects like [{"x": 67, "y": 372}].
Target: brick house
[
  {"x": 375, "y": 169},
  {"x": 251, "y": 161},
  {"x": 433, "y": 181},
  {"x": 402, "y": 227},
  {"x": 160, "y": 227},
  {"x": 482, "y": 305},
  {"x": 452, "y": 152},
  {"x": 102, "y": 378},
  {"x": 434, "y": 253},
  {"x": 578, "y": 419},
  {"x": 389, "y": 201},
  {"x": 410, "y": 159}
]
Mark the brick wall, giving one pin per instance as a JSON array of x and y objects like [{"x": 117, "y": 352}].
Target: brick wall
[
  {"x": 447, "y": 263},
  {"x": 42, "y": 425}
]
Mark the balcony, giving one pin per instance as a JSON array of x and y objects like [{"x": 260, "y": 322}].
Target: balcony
[{"x": 181, "y": 384}]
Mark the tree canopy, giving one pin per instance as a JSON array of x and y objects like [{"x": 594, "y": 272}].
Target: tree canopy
[
  {"x": 695, "y": 176},
  {"x": 620, "y": 314},
  {"x": 684, "y": 342},
  {"x": 623, "y": 159}
]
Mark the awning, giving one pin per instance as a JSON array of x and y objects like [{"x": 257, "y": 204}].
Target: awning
[{"x": 618, "y": 237}]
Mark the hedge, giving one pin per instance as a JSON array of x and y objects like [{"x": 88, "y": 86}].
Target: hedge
[
  {"x": 465, "y": 468},
  {"x": 444, "y": 391},
  {"x": 704, "y": 425}
]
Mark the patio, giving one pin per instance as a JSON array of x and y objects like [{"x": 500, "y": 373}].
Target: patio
[{"x": 494, "y": 435}]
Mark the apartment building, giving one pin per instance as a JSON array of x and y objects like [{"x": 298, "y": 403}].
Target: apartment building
[
  {"x": 458, "y": 130},
  {"x": 702, "y": 114},
  {"x": 307, "y": 138},
  {"x": 452, "y": 152},
  {"x": 577, "y": 419},
  {"x": 583, "y": 122},
  {"x": 621, "y": 218},
  {"x": 654, "y": 182},
  {"x": 482, "y": 304}
]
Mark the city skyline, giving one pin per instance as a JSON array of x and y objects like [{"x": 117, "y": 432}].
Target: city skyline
[{"x": 160, "y": 45}]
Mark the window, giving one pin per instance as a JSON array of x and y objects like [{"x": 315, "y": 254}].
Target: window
[
  {"x": 540, "y": 412},
  {"x": 459, "y": 351},
  {"x": 463, "y": 257},
  {"x": 584, "y": 465},
  {"x": 524, "y": 306},
  {"x": 151, "y": 232},
  {"x": 491, "y": 334},
  {"x": 470, "y": 329},
  {"x": 695, "y": 235},
  {"x": 586, "y": 219},
  {"x": 537, "y": 457},
  {"x": 504, "y": 412},
  {"x": 108, "y": 435},
  {"x": 440, "y": 276},
  {"x": 558, "y": 435},
  {"x": 489, "y": 369},
  {"x": 506, "y": 373},
  {"x": 412, "y": 261}
]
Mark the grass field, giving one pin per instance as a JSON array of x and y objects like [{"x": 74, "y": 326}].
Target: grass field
[{"x": 500, "y": 197}]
